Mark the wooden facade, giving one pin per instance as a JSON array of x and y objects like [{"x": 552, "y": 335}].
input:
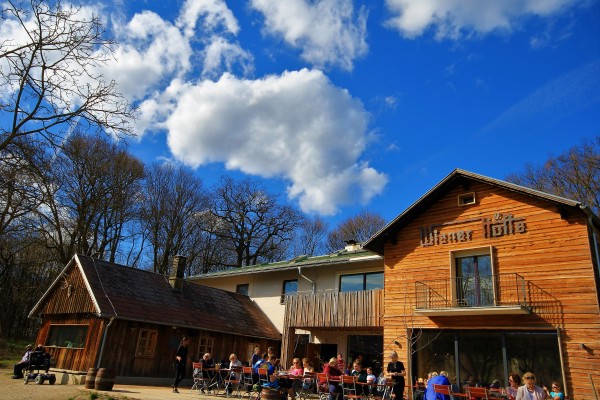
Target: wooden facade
[
  {"x": 330, "y": 310},
  {"x": 552, "y": 249}
]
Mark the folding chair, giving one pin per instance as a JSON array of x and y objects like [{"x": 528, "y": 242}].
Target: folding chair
[
  {"x": 248, "y": 382},
  {"x": 383, "y": 390},
  {"x": 233, "y": 382},
  {"x": 444, "y": 390},
  {"x": 307, "y": 388},
  {"x": 322, "y": 386},
  {"x": 478, "y": 393},
  {"x": 263, "y": 376},
  {"x": 200, "y": 381},
  {"x": 348, "y": 384}
]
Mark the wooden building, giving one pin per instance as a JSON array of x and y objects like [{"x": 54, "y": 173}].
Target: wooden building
[
  {"x": 99, "y": 314},
  {"x": 484, "y": 278}
]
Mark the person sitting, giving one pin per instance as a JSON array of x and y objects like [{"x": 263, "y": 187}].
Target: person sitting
[
  {"x": 271, "y": 370},
  {"x": 514, "y": 381},
  {"x": 436, "y": 379},
  {"x": 556, "y": 393},
  {"x": 18, "y": 368},
  {"x": 332, "y": 371},
  {"x": 208, "y": 365},
  {"x": 307, "y": 365}
]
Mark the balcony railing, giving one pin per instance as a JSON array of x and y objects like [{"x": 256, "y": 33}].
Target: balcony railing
[
  {"x": 360, "y": 309},
  {"x": 469, "y": 292}
]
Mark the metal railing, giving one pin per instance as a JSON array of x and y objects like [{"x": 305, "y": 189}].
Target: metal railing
[{"x": 499, "y": 290}]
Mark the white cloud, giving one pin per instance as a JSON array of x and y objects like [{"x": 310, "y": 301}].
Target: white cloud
[
  {"x": 222, "y": 55},
  {"x": 328, "y": 32},
  {"x": 214, "y": 13},
  {"x": 453, "y": 18},
  {"x": 297, "y": 126}
]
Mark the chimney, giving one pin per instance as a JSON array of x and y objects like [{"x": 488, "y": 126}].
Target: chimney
[
  {"x": 177, "y": 271},
  {"x": 352, "y": 245}
]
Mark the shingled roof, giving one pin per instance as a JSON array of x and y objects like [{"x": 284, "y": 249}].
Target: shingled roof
[{"x": 133, "y": 294}]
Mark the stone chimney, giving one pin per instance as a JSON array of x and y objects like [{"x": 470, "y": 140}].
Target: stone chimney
[{"x": 177, "y": 271}]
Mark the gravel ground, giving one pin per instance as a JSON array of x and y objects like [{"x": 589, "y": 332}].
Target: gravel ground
[{"x": 14, "y": 389}]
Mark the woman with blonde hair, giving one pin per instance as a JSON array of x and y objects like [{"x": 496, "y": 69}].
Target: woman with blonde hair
[
  {"x": 396, "y": 371},
  {"x": 529, "y": 391}
]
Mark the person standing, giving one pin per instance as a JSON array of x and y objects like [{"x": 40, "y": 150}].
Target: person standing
[
  {"x": 396, "y": 371},
  {"x": 255, "y": 356},
  {"x": 180, "y": 362},
  {"x": 529, "y": 391}
]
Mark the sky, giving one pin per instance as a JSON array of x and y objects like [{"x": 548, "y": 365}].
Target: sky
[{"x": 341, "y": 105}]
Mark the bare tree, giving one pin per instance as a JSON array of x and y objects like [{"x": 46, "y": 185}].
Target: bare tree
[
  {"x": 359, "y": 228},
  {"x": 91, "y": 193},
  {"x": 50, "y": 75},
  {"x": 574, "y": 174},
  {"x": 173, "y": 198},
  {"x": 310, "y": 237},
  {"x": 251, "y": 221}
]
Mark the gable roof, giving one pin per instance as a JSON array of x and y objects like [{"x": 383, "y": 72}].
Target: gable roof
[
  {"x": 461, "y": 177},
  {"x": 133, "y": 294}
]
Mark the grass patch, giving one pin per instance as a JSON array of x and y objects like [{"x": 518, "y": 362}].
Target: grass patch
[{"x": 11, "y": 351}]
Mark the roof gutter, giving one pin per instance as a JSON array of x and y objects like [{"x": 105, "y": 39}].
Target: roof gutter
[
  {"x": 314, "y": 285},
  {"x": 99, "y": 362}
]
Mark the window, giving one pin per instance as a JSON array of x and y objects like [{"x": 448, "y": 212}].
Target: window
[
  {"x": 146, "y": 343},
  {"x": 242, "y": 289},
  {"x": 466, "y": 199},
  {"x": 206, "y": 345},
  {"x": 473, "y": 275},
  {"x": 358, "y": 282},
  {"x": 289, "y": 287},
  {"x": 70, "y": 336}
]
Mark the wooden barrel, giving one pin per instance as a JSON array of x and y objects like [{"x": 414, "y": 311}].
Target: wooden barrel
[
  {"x": 105, "y": 379},
  {"x": 90, "y": 378},
  {"x": 269, "y": 394}
]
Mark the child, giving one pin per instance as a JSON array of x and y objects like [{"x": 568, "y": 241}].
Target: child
[{"x": 371, "y": 378}]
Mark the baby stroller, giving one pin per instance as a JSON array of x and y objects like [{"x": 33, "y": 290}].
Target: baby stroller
[{"x": 38, "y": 361}]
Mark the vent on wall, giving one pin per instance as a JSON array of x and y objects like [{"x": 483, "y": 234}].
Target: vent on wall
[{"x": 466, "y": 199}]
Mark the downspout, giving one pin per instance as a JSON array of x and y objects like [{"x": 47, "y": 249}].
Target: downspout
[
  {"x": 98, "y": 363},
  {"x": 314, "y": 285}
]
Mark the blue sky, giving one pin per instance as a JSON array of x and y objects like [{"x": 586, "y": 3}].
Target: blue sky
[{"x": 344, "y": 105}]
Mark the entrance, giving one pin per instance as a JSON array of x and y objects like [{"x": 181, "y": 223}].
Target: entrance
[
  {"x": 474, "y": 281},
  {"x": 371, "y": 349}
]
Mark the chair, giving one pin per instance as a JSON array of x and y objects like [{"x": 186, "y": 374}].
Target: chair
[
  {"x": 383, "y": 390},
  {"x": 248, "y": 382},
  {"x": 444, "y": 390},
  {"x": 348, "y": 384},
  {"x": 322, "y": 386},
  {"x": 200, "y": 381},
  {"x": 307, "y": 388},
  {"x": 478, "y": 393},
  {"x": 233, "y": 382}
]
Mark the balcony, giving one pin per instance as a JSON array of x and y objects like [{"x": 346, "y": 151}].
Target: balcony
[
  {"x": 472, "y": 295},
  {"x": 360, "y": 309}
]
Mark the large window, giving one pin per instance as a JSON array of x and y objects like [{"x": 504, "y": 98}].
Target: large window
[
  {"x": 146, "y": 343},
  {"x": 486, "y": 355},
  {"x": 357, "y": 282},
  {"x": 289, "y": 287},
  {"x": 70, "y": 336}
]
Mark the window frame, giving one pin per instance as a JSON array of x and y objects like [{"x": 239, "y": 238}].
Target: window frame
[
  {"x": 54, "y": 328},
  {"x": 474, "y": 251},
  {"x": 147, "y": 343},
  {"x": 206, "y": 344},
  {"x": 364, "y": 283},
  {"x": 284, "y": 292},
  {"x": 246, "y": 285}
]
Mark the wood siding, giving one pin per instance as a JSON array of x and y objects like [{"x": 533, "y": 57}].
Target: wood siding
[
  {"x": 73, "y": 359},
  {"x": 335, "y": 310},
  {"x": 70, "y": 296},
  {"x": 553, "y": 256}
]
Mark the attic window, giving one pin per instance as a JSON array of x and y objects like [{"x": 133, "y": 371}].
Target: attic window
[{"x": 466, "y": 199}]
